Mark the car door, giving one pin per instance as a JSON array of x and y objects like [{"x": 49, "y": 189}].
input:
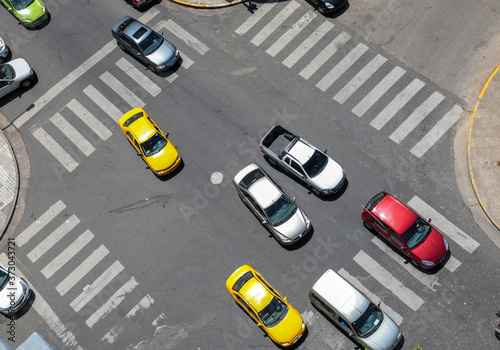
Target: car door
[
  {"x": 7, "y": 87},
  {"x": 398, "y": 242},
  {"x": 297, "y": 169},
  {"x": 323, "y": 307}
]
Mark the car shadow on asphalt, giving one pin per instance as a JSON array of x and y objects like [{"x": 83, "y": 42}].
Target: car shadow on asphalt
[
  {"x": 302, "y": 242},
  {"x": 172, "y": 174},
  {"x": 18, "y": 92}
]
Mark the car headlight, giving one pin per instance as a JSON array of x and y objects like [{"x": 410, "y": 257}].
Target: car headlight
[
  {"x": 427, "y": 263},
  {"x": 43, "y": 8},
  {"x": 26, "y": 19},
  {"x": 285, "y": 239},
  {"x": 329, "y": 6},
  {"x": 285, "y": 344},
  {"x": 161, "y": 66},
  {"x": 445, "y": 243}
]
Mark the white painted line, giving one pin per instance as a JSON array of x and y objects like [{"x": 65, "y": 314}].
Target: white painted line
[
  {"x": 390, "y": 282},
  {"x": 138, "y": 77},
  {"x": 53, "y": 238},
  {"x": 378, "y": 91},
  {"x": 88, "y": 118},
  {"x": 186, "y": 61},
  {"x": 103, "y": 103},
  {"x": 185, "y": 36},
  {"x": 254, "y": 18},
  {"x": 55, "y": 149},
  {"x": 112, "y": 302},
  {"x": 307, "y": 44},
  {"x": 363, "y": 75},
  {"x": 277, "y": 20},
  {"x": 72, "y": 134},
  {"x": 291, "y": 33},
  {"x": 443, "y": 225},
  {"x": 122, "y": 91},
  {"x": 325, "y": 55},
  {"x": 416, "y": 117},
  {"x": 341, "y": 67},
  {"x": 397, "y": 318},
  {"x": 430, "y": 281},
  {"x": 80, "y": 272},
  {"x": 40, "y": 223},
  {"x": 66, "y": 255},
  {"x": 99, "y": 284},
  {"x": 149, "y": 15},
  {"x": 171, "y": 77},
  {"x": 452, "y": 264},
  {"x": 397, "y": 103},
  {"x": 437, "y": 131}
]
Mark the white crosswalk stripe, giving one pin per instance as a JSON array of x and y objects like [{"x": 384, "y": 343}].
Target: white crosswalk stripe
[
  {"x": 307, "y": 44},
  {"x": 341, "y": 67},
  {"x": 385, "y": 278},
  {"x": 186, "y": 61},
  {"x": 256, "y": 17},
  {"x": 139, "y": 77},
  {"x": 72, "y": 134},
  {"x": 40, "y": 223},
  {"x": 103, "y": 103},
  {"x": 275, "y": 23},
  {"x": 291, "y": 33},
  {"x": 88, "y": 118},
  {"x": 184, "y": 35},
  {"x": 55, "y": 149},
  {"x": 122, "y": 90},
  {"x": 443, "y": 225},
  {"x": 170, "y": 78}
]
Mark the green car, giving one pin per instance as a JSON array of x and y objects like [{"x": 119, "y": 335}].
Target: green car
[{"x": 30, "y": 13}]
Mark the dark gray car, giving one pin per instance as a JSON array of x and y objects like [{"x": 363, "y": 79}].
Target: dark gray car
[
  {"x": 145, "y": 44},
  {"x": 329, "y": 6}
]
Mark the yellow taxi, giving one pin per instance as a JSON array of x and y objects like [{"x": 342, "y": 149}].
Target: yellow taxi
[
  {"x": 272, "y": 313},
  {"x": 150, "y": 142}
]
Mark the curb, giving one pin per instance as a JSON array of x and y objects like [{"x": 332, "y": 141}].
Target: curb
[
  {"x": 471, "y": 174},
  {"x": 204, "y": 6}
]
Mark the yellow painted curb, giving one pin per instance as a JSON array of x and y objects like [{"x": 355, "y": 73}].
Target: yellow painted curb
[
  {"x": 203, "y": 6},
  {"x": 471, "y": 174}
]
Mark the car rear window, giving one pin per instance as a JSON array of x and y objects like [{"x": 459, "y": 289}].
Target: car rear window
[
  {"x": 132, "y": 119},
  {"x": 242, "y": 280},
  {"x": 250, "y": 178},
  {"x": 375, "y": 200}
]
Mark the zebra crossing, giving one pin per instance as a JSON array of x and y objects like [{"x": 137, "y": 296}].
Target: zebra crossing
[
  {"x": 80, "y": 252},
  {"x": 124, "y": 95},
  {"x": 337, "y": 48}
]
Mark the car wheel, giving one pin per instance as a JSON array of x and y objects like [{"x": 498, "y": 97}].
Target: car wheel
[
  {"x": 26, "y": 83},
  {"x": 120, "y": 45},
  {"x": 498, "y": 312},
  {"x": 2, "y": 59},
  {"x": 321, "y": 10},
  {"x": 414, "y": 263},
  {"x": 151, "y": 68},
  {"x": 368, "y": 226},
  {"x": 316, "y": 192},
  {"x": 497, "y": 335},
  {"x": 271, "y": 161}
]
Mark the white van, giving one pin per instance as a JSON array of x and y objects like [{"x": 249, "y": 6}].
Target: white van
[{"x": 353, "y": 312}]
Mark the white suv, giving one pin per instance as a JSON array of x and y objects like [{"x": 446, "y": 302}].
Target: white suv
[{"x": 14, "y": 74}]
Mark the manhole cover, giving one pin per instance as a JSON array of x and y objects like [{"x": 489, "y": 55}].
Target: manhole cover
[{"x": 216, "y": 178}]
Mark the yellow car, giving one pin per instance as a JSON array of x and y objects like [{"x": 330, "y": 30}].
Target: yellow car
[
  {"x": 150, "y": 142},
  {"x": 272, "y": 313}
]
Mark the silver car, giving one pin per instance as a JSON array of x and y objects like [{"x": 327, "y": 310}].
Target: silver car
[
  {"x": 14, "y": 292},
  {"x": 272, "y": 205},
  {"x": 354, "y": 313},
  {"x": 14, "y": 74},
  {"x": 145, "y": 44},
  {"x": 4, "y": 51}
]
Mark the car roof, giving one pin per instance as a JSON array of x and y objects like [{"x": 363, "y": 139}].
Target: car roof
[
  {"x": 134, "y": 28},
  {"x": 263, "y": 190},
  {"x": 301, "y": 151},
  {"x": 256, "y": 294},
  {"x": 337, "y": 292},
  {"x": 394, "y": 214}
]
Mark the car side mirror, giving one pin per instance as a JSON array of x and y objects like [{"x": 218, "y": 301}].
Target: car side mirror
[
  {"x": 167, "y": 134},
  {"x": 379, "y": 302},
  {"x": 293, "y": 199},
  {"x": 325, "y": 150},
  {"x": 351, "y": 334},
  {"x": 429, "y": 221},
  {"x": 264, "y": 222},
  {"x": 138, "y": 154}
]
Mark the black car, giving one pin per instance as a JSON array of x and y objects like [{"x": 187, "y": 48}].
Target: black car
[{"x": 328, "y": 6}]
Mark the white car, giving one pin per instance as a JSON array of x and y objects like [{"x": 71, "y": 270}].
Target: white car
[
  {"x": 14, "y": 74},
  {"x": 272, "y": 205},
  {"x": 14, "y": 292},
  {"x": 4, "y": 51},
  {"x": 354, "y": 313}
]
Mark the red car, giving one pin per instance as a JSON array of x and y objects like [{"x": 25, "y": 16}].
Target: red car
[
  {"x": 407, "y": 231},
  {"x": 140, "y": 3}
]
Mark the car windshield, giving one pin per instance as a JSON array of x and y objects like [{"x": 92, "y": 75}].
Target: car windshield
[
  {"x": 21, "y": 4},
  {"x": 280, "y": 211},
  {"x": 153, "y": 145},
  {"x": 273, "y": 312},
  {"x": 416, "y": 233},
  {"x": 4, "y": 278},
  {"x": 315, "y": 164},
  {"x": 151, "y": 43},
  {"x": 250, "y": 178},
  {"x": 6, "y": 72},
  {"x": 369, "y": 321}
]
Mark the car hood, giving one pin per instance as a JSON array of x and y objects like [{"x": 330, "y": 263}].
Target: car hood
[
  {"x": 33, "y": 11},
  {"x": 384, "y": 337},
  {"x": 16, "y": 288},
  {"x": 330, "y": 177},
  {"x": 163, "y": 54},
  {"x": 163, "y": 159},
  {"x": 294, "y": 226},
  {"x": 288, "y": 328},
  {"x": 432, "y": 249},
  {"x": 21, "y": 68}
]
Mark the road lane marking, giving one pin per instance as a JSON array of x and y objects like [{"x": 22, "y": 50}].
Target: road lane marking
[
  {"x": 103, "y": 103},
  {"x": 121, "y": 90},
  {"x": 416, "y": 117},
  {"x": 397, "y": 103},
  {"x": 443, "y": 225},
  {"x": 74, "y": 277},
  {"x": 66, "y": 255},
  {"x": 88, "y": 118},
  {"x": 55, "y": 149},
  {"x": 72, "y": 134},
  {"x": 361, "y": 77},
  {"x": 40, "y": 223},
  {"x": 378, "y": 91},
  {"x": 397, "y": 318},
  {"x": 390, "y": 282},
  {"x": 341, "y": 67},
  {"x": 138, "y": 77},
  {"x": 277, "y": 20},
  {"x": 99, "y": 284},
  {"x": 186, "y": 61},
  {"x": 254, "y": 18},
  {"x": 307, "y": 44},
  {"x": 324, "y": 55},
  {"x": 291, "y": 33},
  {"x": 437, "y": 131},
  {"x": 184, "y": 35},
  {"x": 53, "y": 238},
  {"x": 452, "y": 264}
]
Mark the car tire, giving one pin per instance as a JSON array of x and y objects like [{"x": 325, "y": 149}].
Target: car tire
[
  {"x": 2, "y": 59},
  {"x": 151, "y": 68},
  {"x": 316, "y": 192},
  {"x": 498, "y": 312},
  {"x": 497, "y": 335},
  {"x": 368, "y": 227},
  {"x": 271, "y": 161},
  {"x": 26, "y": 83},
  {"x": 120, "y": 45},
  {"x": 321, "y": 10},
  {"x": 414, "y": 263}
]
